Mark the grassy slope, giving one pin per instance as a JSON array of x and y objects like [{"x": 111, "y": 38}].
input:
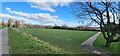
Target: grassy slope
[
  {"x": 1, "y": 27},
  {"x": 24, "y": 44},
  {"x": 100, "y": 42},
  {"x": 66, "y": 39}
]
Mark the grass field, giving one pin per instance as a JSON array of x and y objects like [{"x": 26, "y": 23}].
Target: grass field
[
  {"x": 68, "y": 40},
  {"x": 24, "y": 44},
  {"x": 100, "y": 42},
  {"x": 1, "y": 27}
]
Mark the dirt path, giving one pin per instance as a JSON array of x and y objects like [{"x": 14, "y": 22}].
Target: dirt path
[{"x": 4, "y": 48}]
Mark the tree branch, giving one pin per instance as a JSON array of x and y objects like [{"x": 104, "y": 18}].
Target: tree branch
[
  {"x": 90, "y": 5},
  {"x": 118, "y": 39},
  {"x": 94, "y": 19},
  {"x": 103, "y": 32}
]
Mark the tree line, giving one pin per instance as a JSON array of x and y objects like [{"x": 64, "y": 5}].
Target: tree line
[{"x": 11, "y": 23}]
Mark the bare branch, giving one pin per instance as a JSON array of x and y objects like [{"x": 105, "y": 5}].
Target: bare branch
[{"x": 116, "y": 40}]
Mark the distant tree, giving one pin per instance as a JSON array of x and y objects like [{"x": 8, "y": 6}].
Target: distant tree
[
  {"x": 17, "y": 23},
  {"x": 6, "y": 24},
  {"x": 56, "y": 27},
  {"x": 14, "y": 25},
  {"x": 64, "y": 26},
  {"x": 48, "y": 27},
  {"x": 10, "y": 22},
  {"x": 22, "y": 23},
  {"x": 0, "y": 23},
  {"x": 101, "y": 13},
  {"x": 3, "y": 24}
]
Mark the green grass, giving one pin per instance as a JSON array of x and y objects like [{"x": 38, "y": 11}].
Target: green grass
[
  {"x": 24, "y": 44},
  {"x": 0, "y": 27},
  {"x": 68, "y": 40},
  {"x": 100, "y": 42}
]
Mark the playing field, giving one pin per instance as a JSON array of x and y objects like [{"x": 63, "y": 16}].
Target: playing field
[
  {"x": 67, "y": 40},
  {"x": 1, "y": 27},
  {"x": 54, "y": 41},
  {"x": 25, "y": 44}
]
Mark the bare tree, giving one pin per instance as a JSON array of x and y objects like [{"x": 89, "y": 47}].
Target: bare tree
[
  {"x": 10, "y": 22},
  {"x": 105, "y": 14},
  {"x": 17, "y": 23}
]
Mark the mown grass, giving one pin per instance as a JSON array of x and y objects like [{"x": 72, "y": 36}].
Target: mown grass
[
  {"x": 68, "y": 40},
  {"x": 24, "y": 44},
  {"x": 1, "y": 27},
  {"x": 100, "y": 42}
]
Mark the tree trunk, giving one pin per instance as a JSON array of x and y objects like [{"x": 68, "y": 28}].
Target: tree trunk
[{"x": 107, "y": 44}]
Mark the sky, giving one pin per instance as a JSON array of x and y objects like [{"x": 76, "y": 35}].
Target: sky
[{"x": 42, "y": 13}]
